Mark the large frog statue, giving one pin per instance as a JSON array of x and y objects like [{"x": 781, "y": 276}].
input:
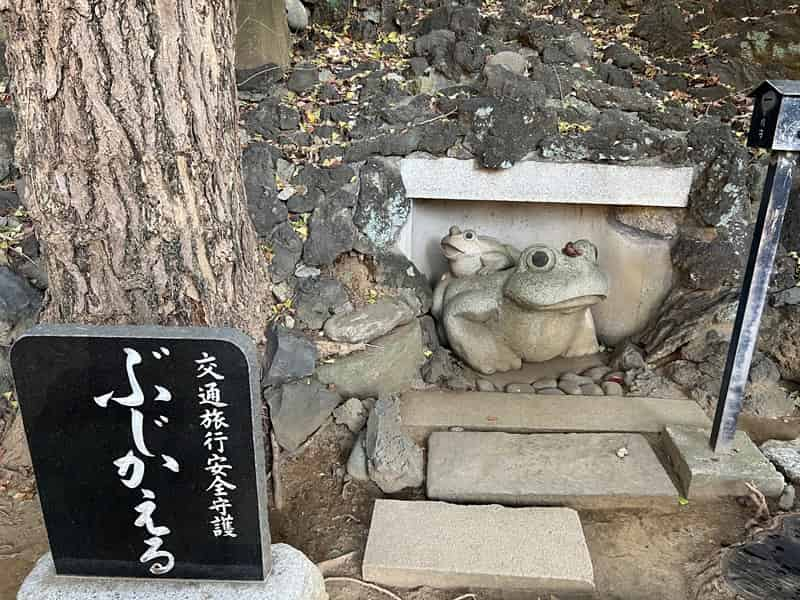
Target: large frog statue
[
  {"x": 532, "y": 313},
  {"x": 471, "y": 254}
]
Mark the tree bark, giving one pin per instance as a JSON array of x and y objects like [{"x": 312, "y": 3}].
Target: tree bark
[
  {"x": 263, "y": 34},
  {"x": 128, "y": 138}
]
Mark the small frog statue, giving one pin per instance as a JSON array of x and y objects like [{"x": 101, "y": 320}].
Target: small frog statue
[{"x": 471, "y": 254}]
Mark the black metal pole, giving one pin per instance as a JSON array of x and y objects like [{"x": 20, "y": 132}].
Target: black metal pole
[{"x": 755, "y": 283}]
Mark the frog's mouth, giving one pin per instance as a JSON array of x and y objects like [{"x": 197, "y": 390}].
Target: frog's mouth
[
  {"x": 569, "y": 306},
  {"x": 451, "y": 251}
]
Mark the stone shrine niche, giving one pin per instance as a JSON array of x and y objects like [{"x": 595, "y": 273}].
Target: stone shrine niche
[
  {"x": 147, "y": 449},
  {"x": 628, "y": 212}
]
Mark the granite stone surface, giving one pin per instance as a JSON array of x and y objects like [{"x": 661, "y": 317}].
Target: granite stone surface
[{"x": 293, "y": 577}]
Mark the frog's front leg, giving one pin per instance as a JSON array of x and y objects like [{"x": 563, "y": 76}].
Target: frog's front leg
[
  {"x": 495, "y": 261},
  {"x": 465, "y": 317}
]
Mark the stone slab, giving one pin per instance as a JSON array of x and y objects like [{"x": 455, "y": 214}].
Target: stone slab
[
  {"x": 447, "y": 546},
  {"x": 293, "y": 577},
  {"x": 547, "y": 182},
  {"x": 705, "y": 474},
  {"x": 579, "y": 470},
  {"x": 424, "y": 412}
]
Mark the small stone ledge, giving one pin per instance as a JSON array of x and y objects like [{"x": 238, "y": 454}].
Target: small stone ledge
[
  {"x": 293, "y": 577},
  {"x": 548, "y": 182}
]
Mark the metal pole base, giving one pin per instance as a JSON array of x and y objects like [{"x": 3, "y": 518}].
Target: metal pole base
[{"x": 755, "y": 283}]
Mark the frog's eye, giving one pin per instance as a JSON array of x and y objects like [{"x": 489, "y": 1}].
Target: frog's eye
[
  {"x": 469, "y": 235},
  {"x": 540, "y": 259}
]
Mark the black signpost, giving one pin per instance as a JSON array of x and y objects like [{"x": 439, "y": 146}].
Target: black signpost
[
  {"x": 775, "y": 127},
  {"x": 146, "y": 444}
]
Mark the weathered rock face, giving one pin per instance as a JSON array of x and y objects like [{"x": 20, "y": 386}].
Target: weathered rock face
[
  {"x": 19, "y": 305},
  {"x": 394, "y": 461},
  {"x": 265, "y": 208},
  {"x": 353, "y": 414},
  {"x": 298, "y": 409},
  {"x": 367, "y": 323},
  {"x": 779, "y": 338},
  {"x": 394, "y": 270},
  {"x": 390, "y": 365},
  {"x": 318, "y": 299},
  {"x": 382, "y": 204},
  {"x": 664, "y": 27},
  {"x": 785, "y": 456},
  {"x": 534, "y": 312}
]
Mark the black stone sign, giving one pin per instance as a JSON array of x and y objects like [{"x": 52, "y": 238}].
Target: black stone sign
[{"x": 147, "y": 448}]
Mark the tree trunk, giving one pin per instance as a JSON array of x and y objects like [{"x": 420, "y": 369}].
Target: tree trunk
[
  {"x": 128, "y": 138},
  {"x": 263, "y": 34}
]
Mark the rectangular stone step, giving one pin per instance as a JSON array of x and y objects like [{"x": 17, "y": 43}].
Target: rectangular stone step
[
  {"x": 424, "y": 412},
  {"x": 579, "y": 470},
  {"x": 447, "y": 546}
]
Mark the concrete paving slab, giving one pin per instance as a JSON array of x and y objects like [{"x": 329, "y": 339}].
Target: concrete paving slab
[
  {"x": 448, "y": 546},
  {"x": 425, "y": 412},
  {"x": 705, "y": 474},
  {"x": 579, "y": 470}
]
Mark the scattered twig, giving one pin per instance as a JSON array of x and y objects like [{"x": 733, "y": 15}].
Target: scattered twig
[
  {"x": 432, "y": 120},
  {"x": 327, "y": 348},
  {"x": 254, "y": 75},
  {"x": 370, "y": 586},
  {"x": 277, "y": 485},
  {"x": 560, "y": 89},
  {"x": 760, "y": 504},
  {"x": 378, "y": 588}
]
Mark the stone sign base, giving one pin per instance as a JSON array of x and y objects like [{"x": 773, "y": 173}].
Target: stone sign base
[{"x": 293, "y": 577}]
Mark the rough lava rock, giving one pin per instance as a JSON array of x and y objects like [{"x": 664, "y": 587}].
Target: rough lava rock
[
  {"x": 263, "y": 204},
  {"x": 394, "y": 270},
  {"x": 289, "y": 355},
  {"x": 317, "y": 299},
  {"x": 287, "y": 248},
  {"x": 19, "y": 305},
  {"x": 394, "y": 461}
]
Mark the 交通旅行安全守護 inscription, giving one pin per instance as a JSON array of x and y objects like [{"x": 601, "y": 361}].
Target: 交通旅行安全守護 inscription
[{"x": 147, "y": 448}]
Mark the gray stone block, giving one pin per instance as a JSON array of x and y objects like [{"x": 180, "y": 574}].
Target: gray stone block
[
  {"x": 293, "y": 577},
  {"x": 447, "y": 546},
  {"x": 551, "y": 182},
  {"x": 703, "y": 473},
  {"x": 576, "y": 470}
]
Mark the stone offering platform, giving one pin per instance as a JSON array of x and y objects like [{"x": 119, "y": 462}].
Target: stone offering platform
[
  {"x": 448, "y": 546},
  {"x": 425, "y": 412},
  {"x": 705, "y": 474},
  {"x": 293, "y": 577},
  {"x": 588, "y": 471}
]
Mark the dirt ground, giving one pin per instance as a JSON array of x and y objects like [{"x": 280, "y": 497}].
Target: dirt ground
[{"x": 636, "y": 555}]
